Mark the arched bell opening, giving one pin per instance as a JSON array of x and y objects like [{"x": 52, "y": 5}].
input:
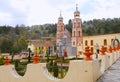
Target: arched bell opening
[{"x": 115, "y": 42}]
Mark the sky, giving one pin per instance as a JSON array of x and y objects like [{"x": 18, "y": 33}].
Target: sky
[{"x": 36, "y": 12}]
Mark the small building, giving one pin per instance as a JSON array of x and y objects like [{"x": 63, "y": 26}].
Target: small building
[{"x": 42, "y": 47}]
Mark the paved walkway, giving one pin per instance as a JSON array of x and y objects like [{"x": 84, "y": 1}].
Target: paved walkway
[{"x": 112, "y": 74}]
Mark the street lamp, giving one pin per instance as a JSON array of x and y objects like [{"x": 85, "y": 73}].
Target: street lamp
[
  {"x": 29, "y": 52},
  {"x": 64, "y": 37},
  {"x": 60, "y": 54},
  {"x": 97, "y": 49},
  {"x": 48, "y": 53}
]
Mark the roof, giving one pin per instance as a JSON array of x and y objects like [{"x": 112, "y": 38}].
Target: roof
[
  {"x": 102, "y": 35},
  {"x": 42, "y": 43},
  {"x": 67, "y": 33},
  {"x": 48, "y": 44},
  {"x": 36, "y": 43}
]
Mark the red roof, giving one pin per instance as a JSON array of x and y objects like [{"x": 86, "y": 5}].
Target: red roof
[{"x": 48, "y": 44}]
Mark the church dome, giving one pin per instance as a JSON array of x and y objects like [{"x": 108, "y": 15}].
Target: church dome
[{"x": 60, "y": 17}]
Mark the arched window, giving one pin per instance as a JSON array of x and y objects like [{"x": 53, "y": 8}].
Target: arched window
[
  {"x": 79, "y": 33},
  {"x": 74, "y": 43},
  {"x": 74, "y": 24},
  {"x": 105, "y": 42},
  {"x": 74, "y": 34},
  {"x": 91, "y": 42},
  {"x": 112, "y": 40},
  {"x": 86, "y": 43},
  {"x": 92, "y": 49}
]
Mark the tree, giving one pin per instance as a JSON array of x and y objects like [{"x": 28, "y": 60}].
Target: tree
[
  {"x": 15, "y": 48},
  {"x": 69, "y": 26},
  {"x": 55, "y": 69},
  {"x": 17, "y": 31},
  {"x": 22, "y": 43},
  {"x": 6, "y": 46}
]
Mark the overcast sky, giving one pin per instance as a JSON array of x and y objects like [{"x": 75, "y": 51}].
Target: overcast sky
[{"x": 31, "y": 12}]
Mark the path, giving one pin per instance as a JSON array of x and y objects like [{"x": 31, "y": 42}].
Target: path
[{"x": 112, "y": 74}]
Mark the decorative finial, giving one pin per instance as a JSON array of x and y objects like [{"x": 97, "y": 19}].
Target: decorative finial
[
  {"x": 36, "y": 58},
  {"x": 76, "y": 7},
  {"x": 6, "y": 61}
]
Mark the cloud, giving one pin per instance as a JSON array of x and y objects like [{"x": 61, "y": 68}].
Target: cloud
[
  {"x": 3, "y": 19},
  {"x": 19, "y": 5},
  {"x": 31, "y": 12},
  {"x": 103, "y": 9}
]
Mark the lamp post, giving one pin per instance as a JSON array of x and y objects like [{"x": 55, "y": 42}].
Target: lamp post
[
  {"x": 97, "y": 49},
  {"x": 29, "y": 52},
  {"x": 48, "y": 53},
  {"x": 65, "y": 37},
  {"x": 61, "y": 56}
]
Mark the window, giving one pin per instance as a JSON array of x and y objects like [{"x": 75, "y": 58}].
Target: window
[
  {"x": 92, "y": 49},
  {"x": 112, "y": 40},
  {"x": 74, "y": 43},
  {"x": 74, "y": 24},
  {"x": 86, "y": 43},
  {"x": 74, "y": 34},
  {"x": 105, "y": 42},
  {"x": 91, "y": 42},
  {"x": 79, "y": 33},
  {"x": 78, "y": 24}
]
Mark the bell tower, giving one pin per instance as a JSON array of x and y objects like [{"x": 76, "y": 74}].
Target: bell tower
[
  {"x": 60, "y": 29},
  {"x": 76, "y": 29}
]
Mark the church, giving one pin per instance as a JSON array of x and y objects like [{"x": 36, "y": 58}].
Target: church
[{"x": 74, "y": 44}]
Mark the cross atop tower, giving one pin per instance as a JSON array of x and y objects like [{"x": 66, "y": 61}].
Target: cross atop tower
[
  {"x": 60, "y": 14},
  {"x": 76, "y": 7}
]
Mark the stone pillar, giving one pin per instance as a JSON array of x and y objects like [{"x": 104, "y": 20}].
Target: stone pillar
[
  {"x": 111, "y": 56},
  {"x": 104, "y": 59}
]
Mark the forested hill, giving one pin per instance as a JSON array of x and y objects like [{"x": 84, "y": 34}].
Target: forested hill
[
  {"x": 101, "y": 26},
  {"x": 13, "y": 39},
  {"x": 91, "y": 27}
]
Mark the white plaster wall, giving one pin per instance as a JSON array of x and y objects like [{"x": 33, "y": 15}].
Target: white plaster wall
[
  {"x": 104, "y": 62},
  {"x": 31, "y": 46},
  {"x": 99, "y": 39},
  {"x": 79, "y": 71}
]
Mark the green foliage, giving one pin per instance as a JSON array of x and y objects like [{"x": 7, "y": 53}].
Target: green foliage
[
  {"x": 69, "y": 26},
  {"x": 1, "y": 60},
  {"x": 17, "y": 31},
  {"x": 13, "y": 39},
  {"x": 16, "y": 63},
  {"x": 22, "y": 43},
  {"x": 55, "y": 70},
  {"x": 101, "y": 26},
  {"x": 20, "y": 67},
  {"x": 50, "y": 66},
  {"x": 6, "y": 46}
]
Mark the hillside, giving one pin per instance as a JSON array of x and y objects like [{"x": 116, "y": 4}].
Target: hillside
[{"x": 13, "y": 39}]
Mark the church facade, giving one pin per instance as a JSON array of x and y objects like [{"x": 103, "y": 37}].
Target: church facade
[
  {"x": 75, "y": 43},
  {"x": 64, "y": 41}
]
